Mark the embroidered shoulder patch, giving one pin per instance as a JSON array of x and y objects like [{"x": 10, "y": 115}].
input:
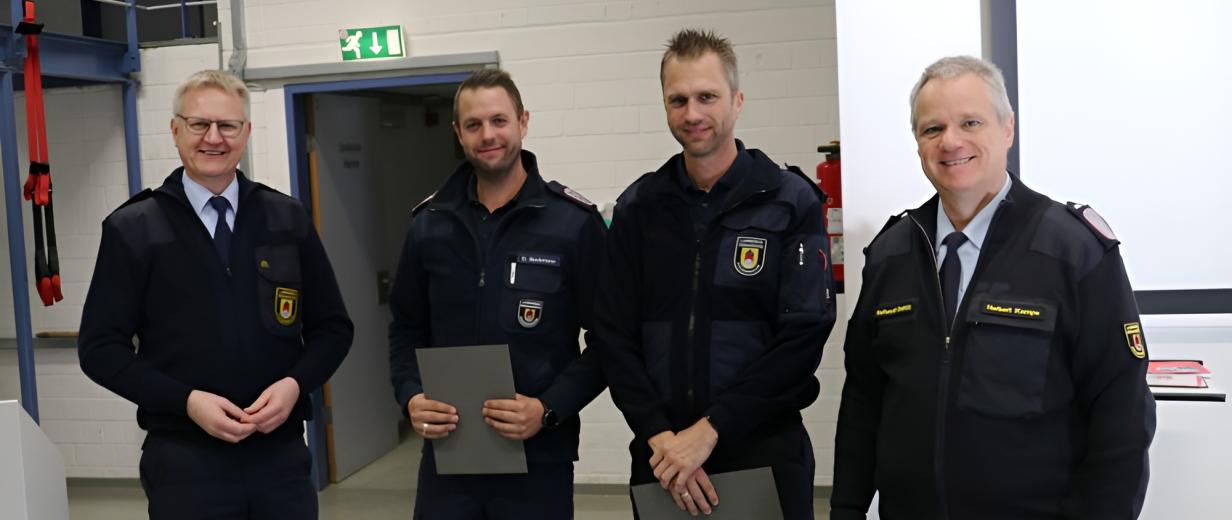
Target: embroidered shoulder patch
[
  {"x": 1093, "y": 220},
  {"x": 1133, "y": 338}
]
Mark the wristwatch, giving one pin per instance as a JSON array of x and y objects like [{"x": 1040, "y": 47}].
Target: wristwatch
[{"x": 550, "y": 419}]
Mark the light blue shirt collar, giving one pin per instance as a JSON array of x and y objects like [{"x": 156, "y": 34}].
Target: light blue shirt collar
[
  {"x": 977, "y": 229},
  {"x": 199, "y": 198}
]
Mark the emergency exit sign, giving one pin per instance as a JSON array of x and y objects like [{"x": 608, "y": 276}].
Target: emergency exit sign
[{"x": 370, "y": 43}]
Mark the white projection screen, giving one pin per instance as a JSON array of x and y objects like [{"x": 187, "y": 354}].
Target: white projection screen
[{"x": 1125, "y": 105}]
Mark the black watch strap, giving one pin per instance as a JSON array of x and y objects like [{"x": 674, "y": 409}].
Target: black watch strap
[{"x": 550, "y": 418}]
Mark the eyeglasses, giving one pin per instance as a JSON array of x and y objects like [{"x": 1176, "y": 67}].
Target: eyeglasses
[{"x": 226, "y": 127}]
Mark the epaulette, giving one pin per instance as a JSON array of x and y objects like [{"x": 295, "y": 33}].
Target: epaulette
[
  {"x": 140, "y": 196},
  {"x": 816, "y": 189},
  {"x": 422, "y": 204},
  {"x": 1096, "y": 223},
  {"x": 570, "y": 195},
  {"x": 889, "y": 224}
]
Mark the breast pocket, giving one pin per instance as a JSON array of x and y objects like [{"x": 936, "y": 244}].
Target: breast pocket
[
  {"x": 278, "y": 288},
  {"x": 1008, "y": 347},
  {"x": 531, "y": 302},
  {"x": 748, "y": 252}
]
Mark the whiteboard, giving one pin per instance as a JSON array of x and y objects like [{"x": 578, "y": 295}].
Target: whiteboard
[{"x": 1125, "y": 105}]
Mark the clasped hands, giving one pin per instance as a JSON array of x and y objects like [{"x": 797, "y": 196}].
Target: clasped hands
[
  {"x": 519, "y": 418},
  {"x": 677, "y": 461},
  {"x": 225, "y": 420}
]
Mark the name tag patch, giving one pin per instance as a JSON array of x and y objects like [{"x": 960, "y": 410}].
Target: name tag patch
[
  {"x": 536, "y": 259},
  {"x": 1013, "y": 310},
  {"x": 897, "y": 309}
]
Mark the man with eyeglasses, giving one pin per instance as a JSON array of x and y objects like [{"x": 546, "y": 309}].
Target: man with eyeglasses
[{"x": 237, "y": 317}]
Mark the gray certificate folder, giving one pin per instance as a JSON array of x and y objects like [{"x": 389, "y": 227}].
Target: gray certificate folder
[
  {"x": 743, "y": 495},
  {"x": 465, "y": 377}
]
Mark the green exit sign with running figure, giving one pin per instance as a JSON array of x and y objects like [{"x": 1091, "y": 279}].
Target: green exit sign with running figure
[{"x": 370, "y": 43}]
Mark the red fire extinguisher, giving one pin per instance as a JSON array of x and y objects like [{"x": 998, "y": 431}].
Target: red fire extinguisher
[{"x": 830, "y": 179}]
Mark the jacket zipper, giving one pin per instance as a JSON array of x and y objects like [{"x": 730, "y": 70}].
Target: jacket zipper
[
  {"x": 689, "y": 348},
  {"x": 943, "y": 390},
  {"x": 481, "y": 255},
  {"x": 690, "y": 394}
]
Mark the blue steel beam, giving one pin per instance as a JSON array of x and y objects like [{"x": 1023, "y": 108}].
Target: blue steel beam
[
  {"x": 75, "y": 57},
  {"x": 17, "y": 245}
]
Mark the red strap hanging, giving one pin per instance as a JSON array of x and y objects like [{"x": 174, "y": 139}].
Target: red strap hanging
[{"x": 38, "y": 184}]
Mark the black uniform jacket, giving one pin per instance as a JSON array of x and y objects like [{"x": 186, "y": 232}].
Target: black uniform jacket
[
  {"x": 727, "y": 324},
  {"x": 277, "y": 312},
  {"x": 1034, "y": 406},
  {"x": 543, "y": 259}
]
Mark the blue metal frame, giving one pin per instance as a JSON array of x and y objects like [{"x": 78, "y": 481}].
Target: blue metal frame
[
  {"x": 65, "y": 60},
  {"x": 17, "y": 246},
  {"x": 297, "y": 149}
]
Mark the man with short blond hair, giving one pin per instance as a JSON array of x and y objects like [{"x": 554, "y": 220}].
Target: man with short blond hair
[
  {"x": 716, "y": 297},
  {"x": 227, "y": 288}
]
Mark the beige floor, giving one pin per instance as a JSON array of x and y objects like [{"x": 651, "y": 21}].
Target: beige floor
[{"x": 383, "y": 490}]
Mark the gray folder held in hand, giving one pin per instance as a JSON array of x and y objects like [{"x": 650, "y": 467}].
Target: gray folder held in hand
[
  {"x": 465, "y": 377},
  {"x": 743, "y": 495}
]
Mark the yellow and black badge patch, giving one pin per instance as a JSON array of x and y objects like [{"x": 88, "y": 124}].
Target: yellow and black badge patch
[
  {"x": 1133, "y": 337},
  {"x": 890, "y": 311},
  {"x": 749, "y": 255},
  {"x": 286, "y": 305},
  {"x": 1013, "y": 310}
]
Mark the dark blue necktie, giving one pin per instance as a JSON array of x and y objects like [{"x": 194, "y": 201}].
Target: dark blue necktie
[
  {"x": 222, "y": 232},
  {"x": 951, "y": 274}
]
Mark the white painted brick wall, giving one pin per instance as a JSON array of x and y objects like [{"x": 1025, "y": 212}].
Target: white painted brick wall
[{"x": 588, "y": 71}]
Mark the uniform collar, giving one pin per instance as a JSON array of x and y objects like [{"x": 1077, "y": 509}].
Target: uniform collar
[
  {"x": 977, "y": 229},
  {"x": 730, "y": 178},
  {"x": 1019, "y": 200},
  {"x": 458, "y": 190},
  {"x": 760, "y": 175},
  {"x": 199, "y": 196},
  {"x": 173, "y": 185}
]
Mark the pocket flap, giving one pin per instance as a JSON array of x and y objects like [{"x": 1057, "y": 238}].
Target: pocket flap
[
  {"x": 769, "y": 218},
  {"x": 278, "y": 263},
  {"x": 533, "y": 271},
  {"x": 1013, "y": 312}
]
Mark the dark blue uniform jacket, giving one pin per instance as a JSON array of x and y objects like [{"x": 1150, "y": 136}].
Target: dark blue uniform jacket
[
  {"x": 546, "y": 251},
  {"x": 726, "y": 322},
  {"x": 158, "y": 277},
  {"x": 1034, "y": 405}
]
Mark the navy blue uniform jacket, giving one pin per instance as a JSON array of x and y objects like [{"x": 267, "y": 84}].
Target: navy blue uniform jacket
[
  {"x": 447, "y": 294},
  {"x": 728, "y": 324},
  {"x": 158, "y": 277},
  {"x": 1034, "y": 406}
]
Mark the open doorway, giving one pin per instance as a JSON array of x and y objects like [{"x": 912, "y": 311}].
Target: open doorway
[{"x": 364, "y": 153}]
